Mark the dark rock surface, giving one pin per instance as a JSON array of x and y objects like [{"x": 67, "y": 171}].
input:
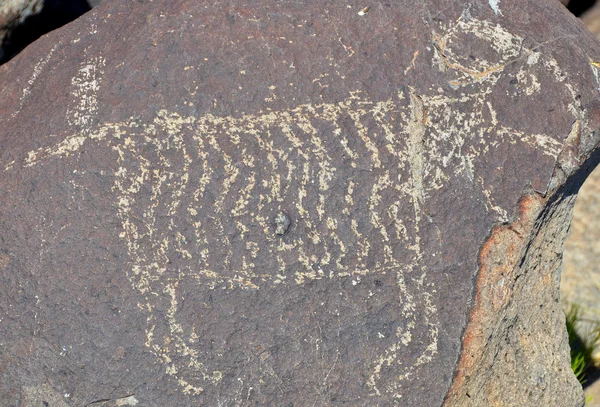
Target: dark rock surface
[{"x": 293, "y": 204}]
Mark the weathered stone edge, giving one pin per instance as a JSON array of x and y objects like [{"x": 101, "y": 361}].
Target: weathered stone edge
[{"x": 502, "y": 258}]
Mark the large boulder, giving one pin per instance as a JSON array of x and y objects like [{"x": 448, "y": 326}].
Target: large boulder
[{"x": 293, "y": 204}]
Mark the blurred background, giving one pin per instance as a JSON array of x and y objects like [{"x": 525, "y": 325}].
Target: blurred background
[
  {"x": 24, "y": 21},
  {"x": 588, "y": 11}
]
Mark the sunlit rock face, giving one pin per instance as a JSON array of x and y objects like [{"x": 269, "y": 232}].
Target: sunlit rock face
[{"x": 293, "y": 204}]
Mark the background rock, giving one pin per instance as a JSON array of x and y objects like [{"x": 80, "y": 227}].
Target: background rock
[
  {"x": 15, "y": 12},
  {"x": 425, "y": 155},
  {"x": 23, "y": 21}
]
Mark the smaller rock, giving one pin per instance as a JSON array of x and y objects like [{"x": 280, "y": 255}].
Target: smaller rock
[{"x": 282, "y": 223}]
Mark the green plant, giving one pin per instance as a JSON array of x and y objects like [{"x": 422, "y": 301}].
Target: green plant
[
  {"x": 584, "y": 338},
  {"x": 578, "y": 366}
]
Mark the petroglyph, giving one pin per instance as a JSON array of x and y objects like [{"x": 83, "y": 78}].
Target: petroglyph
[
  {"x": 262, "y": 200},
  {"x": 38, "y": 68},
  {"x": 85, "y": 86},
  {"x": 235, "y": 233}
]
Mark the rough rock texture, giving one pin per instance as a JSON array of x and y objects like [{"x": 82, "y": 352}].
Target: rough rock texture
[{"x": 293, "y": 204}]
